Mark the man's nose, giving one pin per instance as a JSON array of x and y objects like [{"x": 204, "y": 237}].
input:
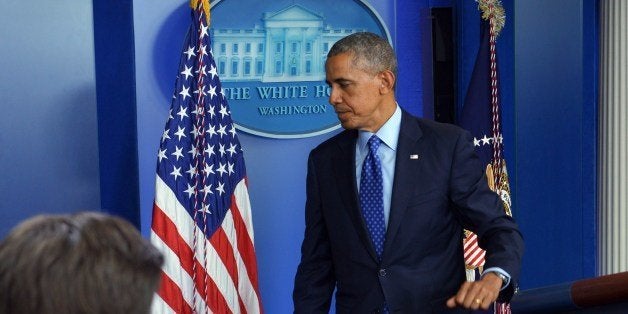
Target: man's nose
[{"x": 334, "y": 97}]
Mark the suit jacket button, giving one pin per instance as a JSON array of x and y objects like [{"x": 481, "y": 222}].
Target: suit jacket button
[{"x": 382, "y": 272}]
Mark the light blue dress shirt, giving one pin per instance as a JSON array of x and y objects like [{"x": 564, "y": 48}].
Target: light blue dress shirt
[{"x": 389, "y": 135}]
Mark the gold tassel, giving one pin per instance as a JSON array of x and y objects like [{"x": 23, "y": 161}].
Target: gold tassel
[
  {"x": 494, "y": 11},
  {"x": 195, "y": 3}
]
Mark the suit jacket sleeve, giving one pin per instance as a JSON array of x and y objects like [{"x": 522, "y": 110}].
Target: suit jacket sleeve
[
  {"x": 482, "y": 212},
  {"x": 314, "y": 281}
]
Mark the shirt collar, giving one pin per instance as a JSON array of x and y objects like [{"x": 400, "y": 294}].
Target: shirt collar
[{"x": 388, "y": 133}]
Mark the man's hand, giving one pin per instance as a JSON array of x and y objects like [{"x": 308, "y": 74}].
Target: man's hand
[{"x": 477, "y": 294}]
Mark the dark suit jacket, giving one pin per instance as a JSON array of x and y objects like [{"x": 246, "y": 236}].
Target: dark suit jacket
[{"x": 434, "y": 197}]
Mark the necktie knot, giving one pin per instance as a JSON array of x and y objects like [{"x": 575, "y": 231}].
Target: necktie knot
[{"x": 374, "y": 143}]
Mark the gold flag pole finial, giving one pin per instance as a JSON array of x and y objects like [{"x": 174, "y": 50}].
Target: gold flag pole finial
[
  {"x": 493, "y": 11},
  {"x": 205, "y": 3}
]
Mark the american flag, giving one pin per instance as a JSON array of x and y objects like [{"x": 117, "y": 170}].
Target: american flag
[
  {"x": 201, "y": 215},
  {"x": 481, "y": 116}
]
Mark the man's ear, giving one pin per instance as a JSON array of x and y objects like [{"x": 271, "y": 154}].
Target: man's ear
[{"x": 387, "y": 79}]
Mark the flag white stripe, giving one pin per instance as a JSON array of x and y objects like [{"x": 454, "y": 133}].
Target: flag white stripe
[
  {"x": 170, "y": 206},
  {"x": 172, "y": 269},
  {"x": 216, "y": 270},
  {"x": 478, "y": 254},
  {"x": 243, "y": 202},
  {"x": 473, "y": 254},
  {"x": 472, "y": 239},
  {"x": 472, "y": 257},
  {"x": 159, "y": 306},
  {"x": 247, "y": 293},
  {"x": 473, "y": 246}
]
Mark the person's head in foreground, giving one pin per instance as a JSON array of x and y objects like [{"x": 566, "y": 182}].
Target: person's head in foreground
[{"x": 78, "y": 263}]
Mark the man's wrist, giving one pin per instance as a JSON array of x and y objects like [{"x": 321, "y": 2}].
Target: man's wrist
[
  {"x": 493, "y": 280},
  {"x": 499, "y": 273},
  {"x": 502, "y": 277}
]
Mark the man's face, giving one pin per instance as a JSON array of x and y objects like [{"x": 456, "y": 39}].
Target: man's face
[{"x": 355, "y": 94}]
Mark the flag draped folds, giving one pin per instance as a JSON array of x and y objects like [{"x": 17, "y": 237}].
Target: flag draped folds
[
  {"x": 481, "y": 115},
  {"x": 202, "y": 218}
]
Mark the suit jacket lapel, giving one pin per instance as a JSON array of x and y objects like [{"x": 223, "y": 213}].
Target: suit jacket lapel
[
  {"x": 344, "y": 169},
  {"x": 409, "y": 135}
]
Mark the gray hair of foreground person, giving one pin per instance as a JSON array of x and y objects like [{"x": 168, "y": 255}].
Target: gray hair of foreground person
[{"x": 78, "y": 263}]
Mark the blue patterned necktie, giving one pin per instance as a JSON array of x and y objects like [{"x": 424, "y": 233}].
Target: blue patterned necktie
[{"x": 372, "y": 196}]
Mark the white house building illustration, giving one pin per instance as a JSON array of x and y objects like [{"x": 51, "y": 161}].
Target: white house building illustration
[{"x": 291, "y": 45}]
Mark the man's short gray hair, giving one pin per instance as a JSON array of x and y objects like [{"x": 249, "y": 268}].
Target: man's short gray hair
[{"x": 371, "y": 53}]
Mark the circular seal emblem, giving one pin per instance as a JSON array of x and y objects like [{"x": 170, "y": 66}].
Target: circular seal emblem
[{"x": 270, "y": 57}]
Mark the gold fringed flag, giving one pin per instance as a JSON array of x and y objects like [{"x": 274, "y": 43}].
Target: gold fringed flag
[
  {"x": 202, "y": 215},
  {"x": 481, "y": 115}
]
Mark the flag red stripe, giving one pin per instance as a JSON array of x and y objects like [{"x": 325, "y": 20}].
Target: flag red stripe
[
  {"x": 478, "y": 261},
  {"x": 223, "y": 247},
  {"x": 163, "y": 227},
  {"x": 245, "y": 246},
  {"x": 247, "y": 252},
  {"x": 171, "y": 294},
  {"x": 473, "y": 254},
  {"x": 472, "y": 261},
  {"x": 167, "y": 231},
  {"x": 471, "y": 248},
  {"x": 213, "y": 297},
  {"x": 242, "y": 307},
  {"x": 472, "y": 239},
  {"x": 221, "y": 243},
  {"x": 475, "y": 258}
]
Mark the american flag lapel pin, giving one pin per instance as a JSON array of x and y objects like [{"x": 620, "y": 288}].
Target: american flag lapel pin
[{"x": 414, "y": 156}]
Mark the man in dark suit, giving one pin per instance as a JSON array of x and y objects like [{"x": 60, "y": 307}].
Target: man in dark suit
[{"x": 387, "y": 201}]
